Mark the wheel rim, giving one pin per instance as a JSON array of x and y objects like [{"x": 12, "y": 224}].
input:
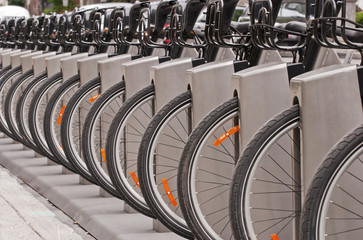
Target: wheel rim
[
  {"x": 166, "y": 150},
  {"x": 24, "y": 110},
  {"x": 4, "y": 89},
  {"x": 63, "y": 99},
  {"x": 272, "y": 196},
  {"x": 40, "y": 113},
  {"x": 210, "y": 175},
  {"x": 77, "y": 119},
  {"x": 340, "y": 210},
  {"x": 145, "y": 109},
  {"x": 97, "y": 140},
  {"x": 14, "y": 100}
]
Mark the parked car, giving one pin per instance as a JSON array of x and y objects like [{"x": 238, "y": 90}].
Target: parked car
[
  {"x": 105, "y": 5},
  {"x": 200, "y": 23},
  {"x": 13, "y": 11},
  {"x": 292, "y": 10}
]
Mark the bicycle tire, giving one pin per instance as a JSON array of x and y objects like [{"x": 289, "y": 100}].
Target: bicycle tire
[
  {"x": 167, "y": 122},
  {"x": 5, "y": 83},
  {"x": 90, "y": 154},
  {"x": 254, "y": 214},
  {"x": 65, "y": 89},
  {"x": 10, "y": 104},
  {"x": 35, "y": 115},
  {"x": 331, "y": 204},
  {"x": 4, "y": 70},
  {"x": 23, "y": 106},
  {"x": 118, "y": 173},
  {"x": 202, "y": 187},
  {"x": 72, "y": 148}
]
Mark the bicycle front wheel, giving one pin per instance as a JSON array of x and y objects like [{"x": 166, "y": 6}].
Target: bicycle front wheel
[
  {"x": 36, "y": 112},
  {"x": 205, "y": 171},
  {"x": 72, "y": 124},
  {"x": 97, "y": 125},
  {"x": 11, "y": 100},
  {"x": 123, "y": 140},
  {"x": 265, "y": 196},
  {"x": 334, "y": 202},
  {"x": 23, "y": 106},
  {"x": 158, "y": 160},
  {"x": 5, "y": 84},
  {"x": 53, "y": 116}
]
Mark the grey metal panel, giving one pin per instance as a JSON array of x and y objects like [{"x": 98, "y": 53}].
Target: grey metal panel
[
  {"x": 53, "y": 63},
  {"x": 169, "y": 80},
  {"x": 39, "y": 62},
  {"x": 15, "y": 58},
  {"x": 26, "y": 60},
  {"x": 110, "y": 70},
  {"x": 5, "y": 50},
  {"x": 137, "y": 74},
  {"x": 263, "y": 91},
  {"x": 211, "y": 85},
  {"x": 189, "y": 52},
  {"x": 5, "y": 57},
  {"x": 69, "y": 65},
  {"x": 326, "y": 57},
  {"x": 88, "y": 67},
  {"x": 225, "y": 54},
  {"x": 330, "y": 106},
  {"x": 269, "y": 56}
]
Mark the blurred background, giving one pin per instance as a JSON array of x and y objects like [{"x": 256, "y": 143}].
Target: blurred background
[
  {"x": 38, "y": 6},
  {"x": 290, "y": 9}
]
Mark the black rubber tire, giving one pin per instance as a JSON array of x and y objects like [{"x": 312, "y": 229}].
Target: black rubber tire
[
  {"x": 66, "y": 124},
  {"x": 273, "y": 127},
  {"x": 334, "y": 162},
  {"x": 184, "y": 173},
  {"x": 34, "y": 105},
  {"x": 11, "y": 121},
  {"x": 4, "y": 70},
  {"x": 63, "y": 88},
  {"x": 4, "y": 80},
  {"x": 143, "y": 165},
  {"x": 111, "y": 146},
  {"x": 99, "y": 104},
  {"x": 38, "y": 80}
]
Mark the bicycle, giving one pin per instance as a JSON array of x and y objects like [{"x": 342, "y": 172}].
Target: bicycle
[
  {"x": 68, "y": 38},
  {"x": 272, "y": 161},
  {"x": 79, "y": 105},
  {"x": 222, "y": 134}
]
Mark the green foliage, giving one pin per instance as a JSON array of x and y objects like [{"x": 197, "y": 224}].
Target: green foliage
[
  {"x": 359, "y": 17},
  {"x": 20, "y": 3},
  {"x": 58, "y": 6}
]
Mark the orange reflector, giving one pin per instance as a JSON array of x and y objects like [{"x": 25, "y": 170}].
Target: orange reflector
[
  {"x": 133, "y": 175},
  {"x": 103, "y": 155},
  {"x": 92, "y": 99},
  {"x": 61, "y": 147},
  {"x": 225, "y": 135},
  {"x": 168, "y": 192},
  {"x": 61, "y": 115},
  {"x": 274, "y": 237}
]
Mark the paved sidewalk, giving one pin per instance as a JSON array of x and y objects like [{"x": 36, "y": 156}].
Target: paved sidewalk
[{"x": 24, "y": 214}]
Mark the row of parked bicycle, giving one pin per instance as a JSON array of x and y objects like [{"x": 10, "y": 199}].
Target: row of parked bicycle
[{"x": 212, "y": 134}]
